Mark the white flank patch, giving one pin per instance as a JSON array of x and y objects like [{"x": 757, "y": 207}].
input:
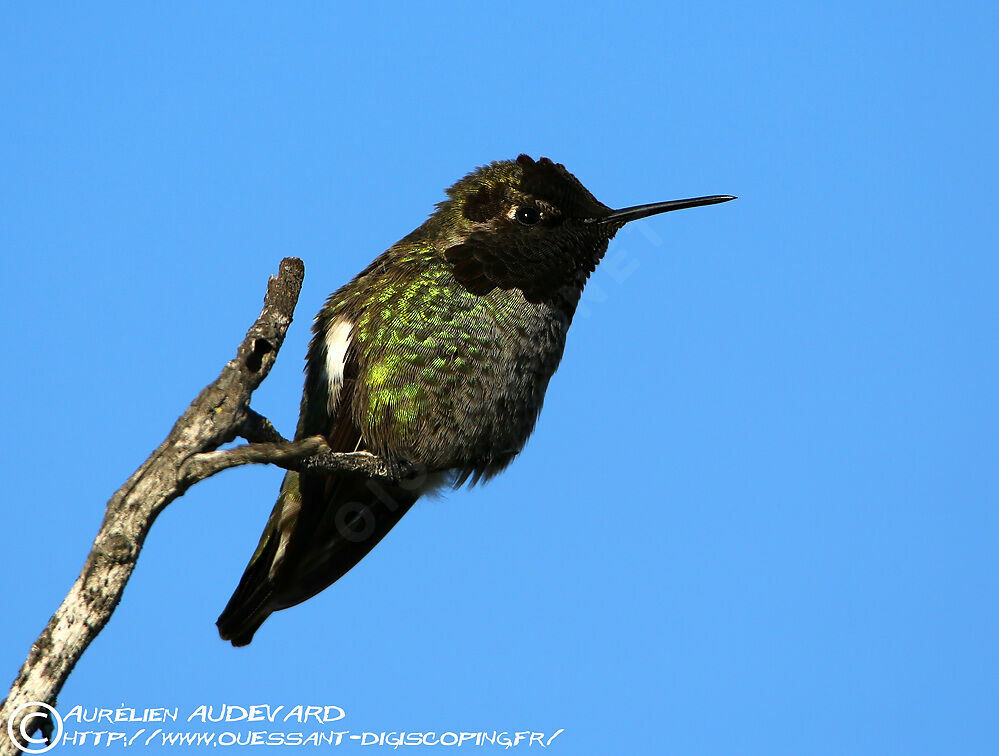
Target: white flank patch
[{"x": 337, "y": 342}]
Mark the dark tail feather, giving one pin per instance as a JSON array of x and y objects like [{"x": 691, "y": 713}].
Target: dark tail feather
[
  {"x": 339, "y": 521},
  {"x": 250, "y": 604}
]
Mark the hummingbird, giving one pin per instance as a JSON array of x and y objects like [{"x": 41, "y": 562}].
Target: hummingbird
[{"x": 436, "y": 358}]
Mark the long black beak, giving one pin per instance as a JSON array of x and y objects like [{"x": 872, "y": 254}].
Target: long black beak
[{"x": 644, "y": 211}]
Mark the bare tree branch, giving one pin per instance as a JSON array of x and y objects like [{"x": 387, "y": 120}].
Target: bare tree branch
[
  {"x": 310, "y": 455},
  {"x": 189, "y": 454}
]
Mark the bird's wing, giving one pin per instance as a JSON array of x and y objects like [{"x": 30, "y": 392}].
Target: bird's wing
[{"x": 321, "y": 525}]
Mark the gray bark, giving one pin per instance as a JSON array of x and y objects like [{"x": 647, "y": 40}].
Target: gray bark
[{"x": 189, "y": 454}]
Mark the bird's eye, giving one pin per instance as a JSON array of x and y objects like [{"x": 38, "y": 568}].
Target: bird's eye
[{"x": 527, "y": 215}]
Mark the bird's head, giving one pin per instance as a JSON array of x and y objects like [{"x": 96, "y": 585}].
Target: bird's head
[{"x": 531, "y": 225}]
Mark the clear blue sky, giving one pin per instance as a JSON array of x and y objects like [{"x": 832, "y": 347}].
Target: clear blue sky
[{"x": 759, "y": 513}]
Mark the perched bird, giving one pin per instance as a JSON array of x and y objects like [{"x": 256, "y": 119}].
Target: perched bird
[{"x": 436, "y": 357}]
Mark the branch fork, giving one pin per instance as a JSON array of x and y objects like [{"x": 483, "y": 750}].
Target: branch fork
[{"x": 189, "y": 454}]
